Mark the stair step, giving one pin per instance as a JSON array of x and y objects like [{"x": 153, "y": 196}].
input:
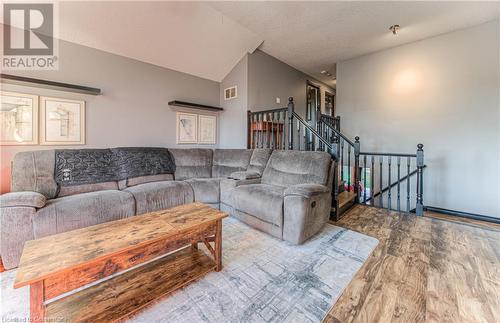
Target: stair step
[{"x": 346, "y": 198}]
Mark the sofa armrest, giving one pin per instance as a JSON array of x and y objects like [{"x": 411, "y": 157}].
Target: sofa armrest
[
  {"x": 244, "y": 175},
  {"x": 23, "y": 199},
  {"x": 306, "y": 209},
  {"x": 306, "y": 190}
]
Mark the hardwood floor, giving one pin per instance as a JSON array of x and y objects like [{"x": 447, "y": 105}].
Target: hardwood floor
[{"x": 424, "y": 269}]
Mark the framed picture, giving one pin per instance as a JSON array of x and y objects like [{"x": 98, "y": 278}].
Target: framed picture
[
  {"x": 207, "y": 129},
  {"x": 187, "y": 128},
  {"x": 62, "y": 121},
  {"x": 18, "y": 119}
]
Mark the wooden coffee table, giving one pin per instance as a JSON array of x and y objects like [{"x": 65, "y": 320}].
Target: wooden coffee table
[{"x": 58, "y": 264}]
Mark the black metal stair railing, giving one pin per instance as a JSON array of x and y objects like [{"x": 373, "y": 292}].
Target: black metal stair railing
[
  {"x": 368, "y": 174},
  {"x": 266, "y": 129},
  {"x": 386, "y": 180},
  {"x": 371, "y": 168}
]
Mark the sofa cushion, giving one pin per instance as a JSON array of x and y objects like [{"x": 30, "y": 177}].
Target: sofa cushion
[
  {"x": 259, "y": 159},
  {"x": 160, "y": 195},
  {"x": 34, "y": 171},
  {"x": 85, "y": 188},
  {"x": 227, "y": 161},
  {"x": 82, "y": 210},
  {"x": 26, "y": 199},
  {"x": 206, "y": 190},
  {"x": 291, "y": 167},
  {"x": 192, "y": 163},
  {"x": 262, "y": 201},
  {"x": 123, "y": 184}
]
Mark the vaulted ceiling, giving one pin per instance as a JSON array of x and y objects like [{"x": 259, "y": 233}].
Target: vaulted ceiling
[
  {"x": 190, "y": 37},
  {"x": 207, "y": 39}
]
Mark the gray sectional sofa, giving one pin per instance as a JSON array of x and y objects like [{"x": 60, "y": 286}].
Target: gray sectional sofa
[{"x": 284, "y": 193}]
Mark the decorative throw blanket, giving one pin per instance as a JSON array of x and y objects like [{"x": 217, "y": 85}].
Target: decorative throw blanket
[
  {"x": 133, "y": 162},
  {"x": 87, "y": 166}
]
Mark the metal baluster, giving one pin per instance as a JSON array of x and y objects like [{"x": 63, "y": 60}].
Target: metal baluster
[
  {"x": 290, "y": 109},
  {"x": 399, "y": 180},
  {"x": 364, "y": 179},
  {"x": 280, "y": 131},
  {"x": 252, "y": 131},
  {"x": 264, "y": 131},
  {"x": 342, "y": 160},
  {"x": 306, "y": 142},
  {"x": 372, "y": 182},
  {"x": 272, "y": 146},
  {"x": 257, "y": 130},
  {"x": 389, "y": 195},
  {"x": 419, "y": 207},
  {"x": 408, "y": 162},
  {"x": 266, "y": 134},
  {"x": 357, "y": 179},
  {"x": 298, "y": 135},
  {"x": 348, "y": 168},
  {"x": 283, "y": 130},
  {"x": 381, "y": 159}
]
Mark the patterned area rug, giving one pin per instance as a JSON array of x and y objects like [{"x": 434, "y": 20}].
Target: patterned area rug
[{"x": 263, "y": 280}]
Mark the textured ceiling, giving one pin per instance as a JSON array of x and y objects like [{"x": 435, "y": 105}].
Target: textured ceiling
[
  {"x": 313, "y": 36},
  {"x": 207, "y": 39},
  {"x": 190, "y": 37}
]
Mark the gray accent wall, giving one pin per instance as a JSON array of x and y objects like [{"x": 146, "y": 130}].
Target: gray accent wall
[
  {"x": 260, "y": 78},
  {"x": 234, "y": 119},
  {"x": 269, "y": 78},
  {"x": 443, "y": 92},
  {"x": 133, "y": 109}
]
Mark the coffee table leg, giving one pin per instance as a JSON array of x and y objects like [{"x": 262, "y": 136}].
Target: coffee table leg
[
  {"x": 37, "y": 298},
  {"x": 218, "y": 245},
  {"x": 194, "y": 245}
]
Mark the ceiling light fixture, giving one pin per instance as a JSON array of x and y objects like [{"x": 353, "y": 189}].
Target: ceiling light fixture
[
  {"x": 326, "y": 73},
  {"x": 394, "y": 29}
]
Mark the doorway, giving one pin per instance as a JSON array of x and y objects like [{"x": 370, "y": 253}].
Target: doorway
[
  {"x": 313, "y": 104},
  {"x": 330, "y": 104}
]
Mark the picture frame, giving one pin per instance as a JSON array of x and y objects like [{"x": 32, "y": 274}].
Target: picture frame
[
  {"x": 207, "y": 129},
  {"x": 187, "y": 128},
  {"x": 62, "y": 121},
  {"x": 18, "y": 119}
]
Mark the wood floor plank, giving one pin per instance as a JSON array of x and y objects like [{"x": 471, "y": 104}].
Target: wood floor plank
[{"x": 424, "y": 269}]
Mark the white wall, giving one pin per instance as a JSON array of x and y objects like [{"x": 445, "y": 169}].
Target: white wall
[{"x": 443, "y": 92}]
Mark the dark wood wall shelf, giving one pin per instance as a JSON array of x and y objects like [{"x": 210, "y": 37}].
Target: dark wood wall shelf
[
  {"x": 28, "y": 81},
  {"x": 195, "y": 106}
]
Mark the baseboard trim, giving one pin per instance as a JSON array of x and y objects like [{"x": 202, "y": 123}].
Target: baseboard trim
[{"x": 462, "y": 214}]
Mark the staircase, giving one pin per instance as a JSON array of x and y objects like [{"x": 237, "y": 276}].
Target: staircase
[{"x": 386, "y": 180}]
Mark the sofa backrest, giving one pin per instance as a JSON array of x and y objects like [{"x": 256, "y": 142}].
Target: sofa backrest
[
  {"x": 34, "y": 171},
  {"x": 227, "y": 161},
  {"x": 291, "y": 167},
  {"x": 260, "y": 157},
  {"x": 192, "y": 163}
]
